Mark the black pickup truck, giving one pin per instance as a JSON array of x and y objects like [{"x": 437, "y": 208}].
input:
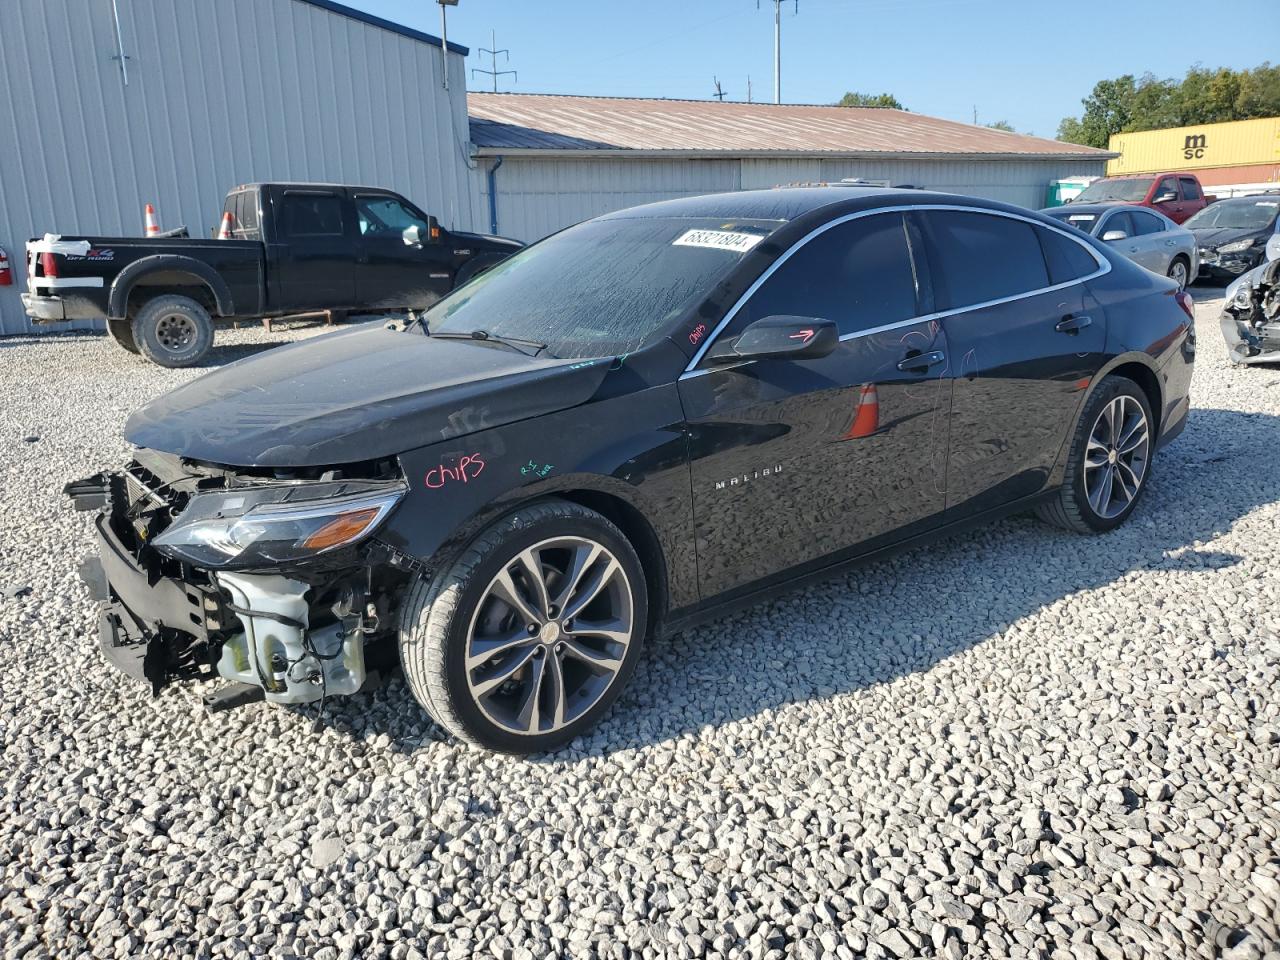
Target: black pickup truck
[{"x": 294, "y": 248}]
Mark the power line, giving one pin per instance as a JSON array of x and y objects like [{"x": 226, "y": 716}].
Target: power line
[{"x": 495, "y": 73}]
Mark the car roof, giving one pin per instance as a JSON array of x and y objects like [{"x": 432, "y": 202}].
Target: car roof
[
  {"x": 1085, "y": 208},
  {"x": 792, "y": 203},
  {"x": 1269, "y": 196}
]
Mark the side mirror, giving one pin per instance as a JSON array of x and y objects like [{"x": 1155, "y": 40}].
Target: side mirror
[
  {"x": 780, "y": 337},
  {"x": 1165, "y": 198},
  {"x": 412, "y": 235},
  {"x": 1113, "y": 235}
]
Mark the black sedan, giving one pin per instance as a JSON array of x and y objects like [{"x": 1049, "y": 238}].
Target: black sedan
[
  {"x": 1232, "y": 234},
  {"x": 639, "y": 423}
]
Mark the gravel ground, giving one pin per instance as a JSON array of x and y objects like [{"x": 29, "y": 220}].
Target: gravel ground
[{"x": 1016, "y": 743}]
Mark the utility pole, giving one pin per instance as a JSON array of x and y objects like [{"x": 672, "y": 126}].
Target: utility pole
[
  {"x": 975, "y": 114},
  {"x": 748, "y": 88},
  {"x": 493, "y": 52},
  {"x": 719, "y": 94},
  {"x": 444, "y": 38},
  {"x": 777, "y": 47}
]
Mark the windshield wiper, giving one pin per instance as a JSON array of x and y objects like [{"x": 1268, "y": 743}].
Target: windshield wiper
[{"x": 515, "y": 343}]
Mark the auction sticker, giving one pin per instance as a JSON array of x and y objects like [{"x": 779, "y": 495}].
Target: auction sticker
[{"x": 718, "y": 240}]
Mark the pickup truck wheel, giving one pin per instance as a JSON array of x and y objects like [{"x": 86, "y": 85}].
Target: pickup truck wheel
[
  {"x": 473, "y": 268},
  {"x": 173, "y": 331},
  {"x": 529, "y": 636},
  {"x": 120, "y": 329}
]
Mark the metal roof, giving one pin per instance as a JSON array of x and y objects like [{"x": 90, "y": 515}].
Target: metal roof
[
  {"x": 542, "y": 124},
  {"x": 394, "y": 27}
]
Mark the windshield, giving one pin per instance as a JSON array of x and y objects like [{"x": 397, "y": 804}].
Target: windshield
[
  {"x": 1237, "y": 214},
  {"x": 1102, "y": 190},
  {"x": 601, "y": 288},
  {"x": 1081, "y": 221}
]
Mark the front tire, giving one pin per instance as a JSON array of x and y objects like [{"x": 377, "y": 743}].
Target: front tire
[
  {"x": 1109, "y": 462},
  {"x": 173, "y": 331},
  {"x": 526, "y": 640}
]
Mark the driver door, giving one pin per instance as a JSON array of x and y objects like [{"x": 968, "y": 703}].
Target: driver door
[
  {"x": 795, "y": 462},
  {"x": 399, "y": 269}
]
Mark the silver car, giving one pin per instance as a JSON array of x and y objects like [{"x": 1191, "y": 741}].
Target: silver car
[{"x": 1148, "y": 238}]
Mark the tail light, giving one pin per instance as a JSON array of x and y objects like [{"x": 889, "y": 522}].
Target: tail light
[
  {"x": 6, "y": 273},
  {"x": 48, "y": 264},
  {"x": 1187, "y": 304}
]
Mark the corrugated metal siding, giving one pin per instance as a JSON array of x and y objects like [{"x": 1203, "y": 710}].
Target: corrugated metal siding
[
  {"x": 539, "y": 196},
  {"x": 220, "y": 93}
]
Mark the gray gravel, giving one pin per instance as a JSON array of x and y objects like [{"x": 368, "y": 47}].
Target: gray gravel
[{"x": 1017, "y": 743}]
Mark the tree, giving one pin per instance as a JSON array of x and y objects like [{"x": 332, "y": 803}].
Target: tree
[
  {"x": 870, "y": 100},
  {"x": 1123, "y": 105},
  {"x": 1001, "y": 125}
]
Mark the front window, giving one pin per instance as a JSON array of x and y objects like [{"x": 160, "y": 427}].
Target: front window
[
  {"x": 1237, "y": 214},
  {"x": 601, "y": 288},
  {"x": 1129, "y": 190},
  {"x": 386, "y": 216}
]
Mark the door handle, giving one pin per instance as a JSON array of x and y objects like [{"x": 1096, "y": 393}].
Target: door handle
[
  {"x": 920, "y": 362},
  {"x": 1073, "y": 325},
  {"x": 1170, "y": 243}
]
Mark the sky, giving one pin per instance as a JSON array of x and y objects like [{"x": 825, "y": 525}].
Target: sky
[{"x": 1027, "y": 62}]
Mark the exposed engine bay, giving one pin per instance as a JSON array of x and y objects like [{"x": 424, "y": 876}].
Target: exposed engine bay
[
  {"x": 1251, "y": 316},
  {"x": 265, "y": 578}
]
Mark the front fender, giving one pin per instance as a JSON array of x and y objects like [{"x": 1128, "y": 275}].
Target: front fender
[{"x": 629, "y": 449}]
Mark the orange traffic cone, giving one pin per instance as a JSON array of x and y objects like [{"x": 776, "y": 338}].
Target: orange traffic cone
[
  {"x": 149, "y": 220},
  {"x": 866, "y": 420},
  {"x": 224, "y": 231}
]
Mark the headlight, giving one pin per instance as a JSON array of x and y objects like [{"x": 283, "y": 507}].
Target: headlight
[
  {"x": 1237, "y": 246},
  {"x": 255, "y": 526}
]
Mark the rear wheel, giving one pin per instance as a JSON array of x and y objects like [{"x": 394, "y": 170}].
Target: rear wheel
[
  {"x": 1179, "y": 272},
  {"x": 1109, "y": 463},
  {"x": 529, "y": 637},
  {"x": 120, "y": 329},
  {"x": 173, "y": 331}
]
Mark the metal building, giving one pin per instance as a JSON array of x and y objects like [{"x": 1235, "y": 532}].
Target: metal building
[
  {"x": 551, "y": 161},
  {"x": 106, "y": 105}
]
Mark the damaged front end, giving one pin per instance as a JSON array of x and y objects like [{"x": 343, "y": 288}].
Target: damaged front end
[
  {"x": 269, "y": 579},
  {"x": 1251, "y": 316}
]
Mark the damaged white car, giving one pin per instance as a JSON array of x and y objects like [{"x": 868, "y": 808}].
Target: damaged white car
[{"x": 1251, "y": 316}]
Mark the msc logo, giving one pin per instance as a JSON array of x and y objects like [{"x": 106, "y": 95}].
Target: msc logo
[{"x": 1193, "y": 147}]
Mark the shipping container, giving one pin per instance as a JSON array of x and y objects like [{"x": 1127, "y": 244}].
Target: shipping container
[{"x": 1238, "y": 143}]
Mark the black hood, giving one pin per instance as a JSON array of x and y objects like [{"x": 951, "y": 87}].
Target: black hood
[
  {"x": 357, "y": 394},
  {"x": 486, "y": 241},
  {"x": 1217, "y": 236}
]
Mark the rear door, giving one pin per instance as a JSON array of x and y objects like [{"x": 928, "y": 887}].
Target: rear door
[
  {"x": 793, "y": 461},
  {"x": 311, "y": 263},
  {"x": 1023, "y": 342},
  {"x": 401, "y": 264},
  {"x": 1192, "y": 197}
]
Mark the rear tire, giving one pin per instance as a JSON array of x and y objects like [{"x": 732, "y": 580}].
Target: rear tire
[
  {"x": 473, "y": 268},
  {"x": 1180, "y": 272},
  {"x": 527, "y": 675},
  {"x": 1109, "y": 462},
  {"x": 120, "y": 329},
  {"x": 173, "y": 331}
]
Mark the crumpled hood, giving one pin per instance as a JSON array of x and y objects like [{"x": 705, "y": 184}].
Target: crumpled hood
[
  {"x": 1211, "y": 237},
  {"x": 357, "y": 394}
]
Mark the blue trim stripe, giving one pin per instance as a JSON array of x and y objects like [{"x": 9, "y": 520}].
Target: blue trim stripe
[{"x": 385, "y": 24}]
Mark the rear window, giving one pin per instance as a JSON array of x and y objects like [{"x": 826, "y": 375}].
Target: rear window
[
  {"x": 1190, "y": 189},
  {"x": 1083, "y": 222},
  {"x": 981, "y": 257},
  {"x": 1067, "y": 259},
  {"x": 312, "y": 215}
]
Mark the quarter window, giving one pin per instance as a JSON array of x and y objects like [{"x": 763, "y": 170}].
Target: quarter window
[
  {"x": 859, "y": 274},
  {"x": 1067, "y": 259},
  {"x": 978, "y": 257},
  {"x": 312, "y": 215}
]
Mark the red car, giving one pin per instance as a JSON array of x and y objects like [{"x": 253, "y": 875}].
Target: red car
[{"x": 1176, "y": 195}]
